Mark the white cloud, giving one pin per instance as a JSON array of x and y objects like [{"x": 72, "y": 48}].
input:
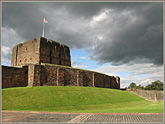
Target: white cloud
[
  {"x": 9, "y": 39},
  {"x": 100, "y": 37},
  {"x": 149, "y": 73},
  {"x": 100, "y": 17},
  {"x": 6, "y": 55},
  {"x": 79, "y": 65},
  {"x": 5, "y": 50},
  {"x": 83, "y": 57},
  {"x": 5, "y": 61}
]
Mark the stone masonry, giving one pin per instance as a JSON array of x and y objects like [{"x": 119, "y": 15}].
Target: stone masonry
[
  {"x": 151, "y": 95},
  {"x": 54, "y": 75},
  {"x": 39, "y": 62},
  {"x": 39, "y": 51}
]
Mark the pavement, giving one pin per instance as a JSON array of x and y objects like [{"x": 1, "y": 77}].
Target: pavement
[{"x": 33, "y": 116}]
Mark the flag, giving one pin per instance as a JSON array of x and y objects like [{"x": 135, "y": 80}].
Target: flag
[{"x": 45, "y": 20}]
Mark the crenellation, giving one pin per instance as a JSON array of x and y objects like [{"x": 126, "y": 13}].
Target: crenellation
[
  {"x": 42, "y": 39},
  {"x": 54, "y": 43}
]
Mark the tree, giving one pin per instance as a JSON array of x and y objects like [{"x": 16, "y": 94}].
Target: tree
[
  {"x": 132, "y": 85},
  {"x": 156, "y": 85},
  {"x": 139, "y": 87},
  {"x": 148, "y": 87}
]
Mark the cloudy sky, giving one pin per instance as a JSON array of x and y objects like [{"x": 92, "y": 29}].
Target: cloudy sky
[{"x": 120, "y": 39}]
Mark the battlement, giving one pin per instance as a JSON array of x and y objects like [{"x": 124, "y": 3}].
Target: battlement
[{"x": 41, "y": 50}]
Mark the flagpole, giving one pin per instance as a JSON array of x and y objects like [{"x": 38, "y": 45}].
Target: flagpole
[{"x": 43, "y": 29}]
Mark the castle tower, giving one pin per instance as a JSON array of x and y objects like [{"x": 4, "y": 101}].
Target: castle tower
[{"x": 41, "y": 50}]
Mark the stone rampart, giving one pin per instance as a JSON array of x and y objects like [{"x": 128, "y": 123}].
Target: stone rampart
[
  {"x": 14, "y": 77},
  {"x": 151, "y": 95},
  {"x": 54, "y": 75}
]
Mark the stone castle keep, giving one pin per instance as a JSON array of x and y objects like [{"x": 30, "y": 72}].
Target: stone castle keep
[
  {"x": 39, "y": 51},
  {"x": 42, "y": 62}
]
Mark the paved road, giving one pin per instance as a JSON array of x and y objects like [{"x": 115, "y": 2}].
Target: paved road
[{"x": 23, "y": 116}]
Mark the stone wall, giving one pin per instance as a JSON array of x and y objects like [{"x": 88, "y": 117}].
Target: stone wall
[
  {"x": 99, "y": 80},
  {"x": 54, "y": 53},
  {"x": 151, "y": 95},
  {"x": 14, "y": 77},
  {"x": 70, "y": 77},
  {"x": 41, "y": 50},
  {"x": 34, "y": 75},
  {"x": 49, "y": 76},
  {"x": 26, "y": 53},
  {"x": 54, "y": 75}
]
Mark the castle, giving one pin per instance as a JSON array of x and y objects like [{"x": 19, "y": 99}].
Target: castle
[{"x": 42, "y": 62}]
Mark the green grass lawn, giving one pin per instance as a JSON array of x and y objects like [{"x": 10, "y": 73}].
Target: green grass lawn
[{"x": 76, "y": 99}]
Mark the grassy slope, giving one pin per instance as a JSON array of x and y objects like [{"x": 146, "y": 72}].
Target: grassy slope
[{"x": 76, "y": 99}]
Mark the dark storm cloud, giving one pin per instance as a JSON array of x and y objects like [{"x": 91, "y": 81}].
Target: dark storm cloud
[
  {"x": 23, "y": 18},
  {"x": 112, "y": 32},
  {"x": 140, "y": 40}
]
